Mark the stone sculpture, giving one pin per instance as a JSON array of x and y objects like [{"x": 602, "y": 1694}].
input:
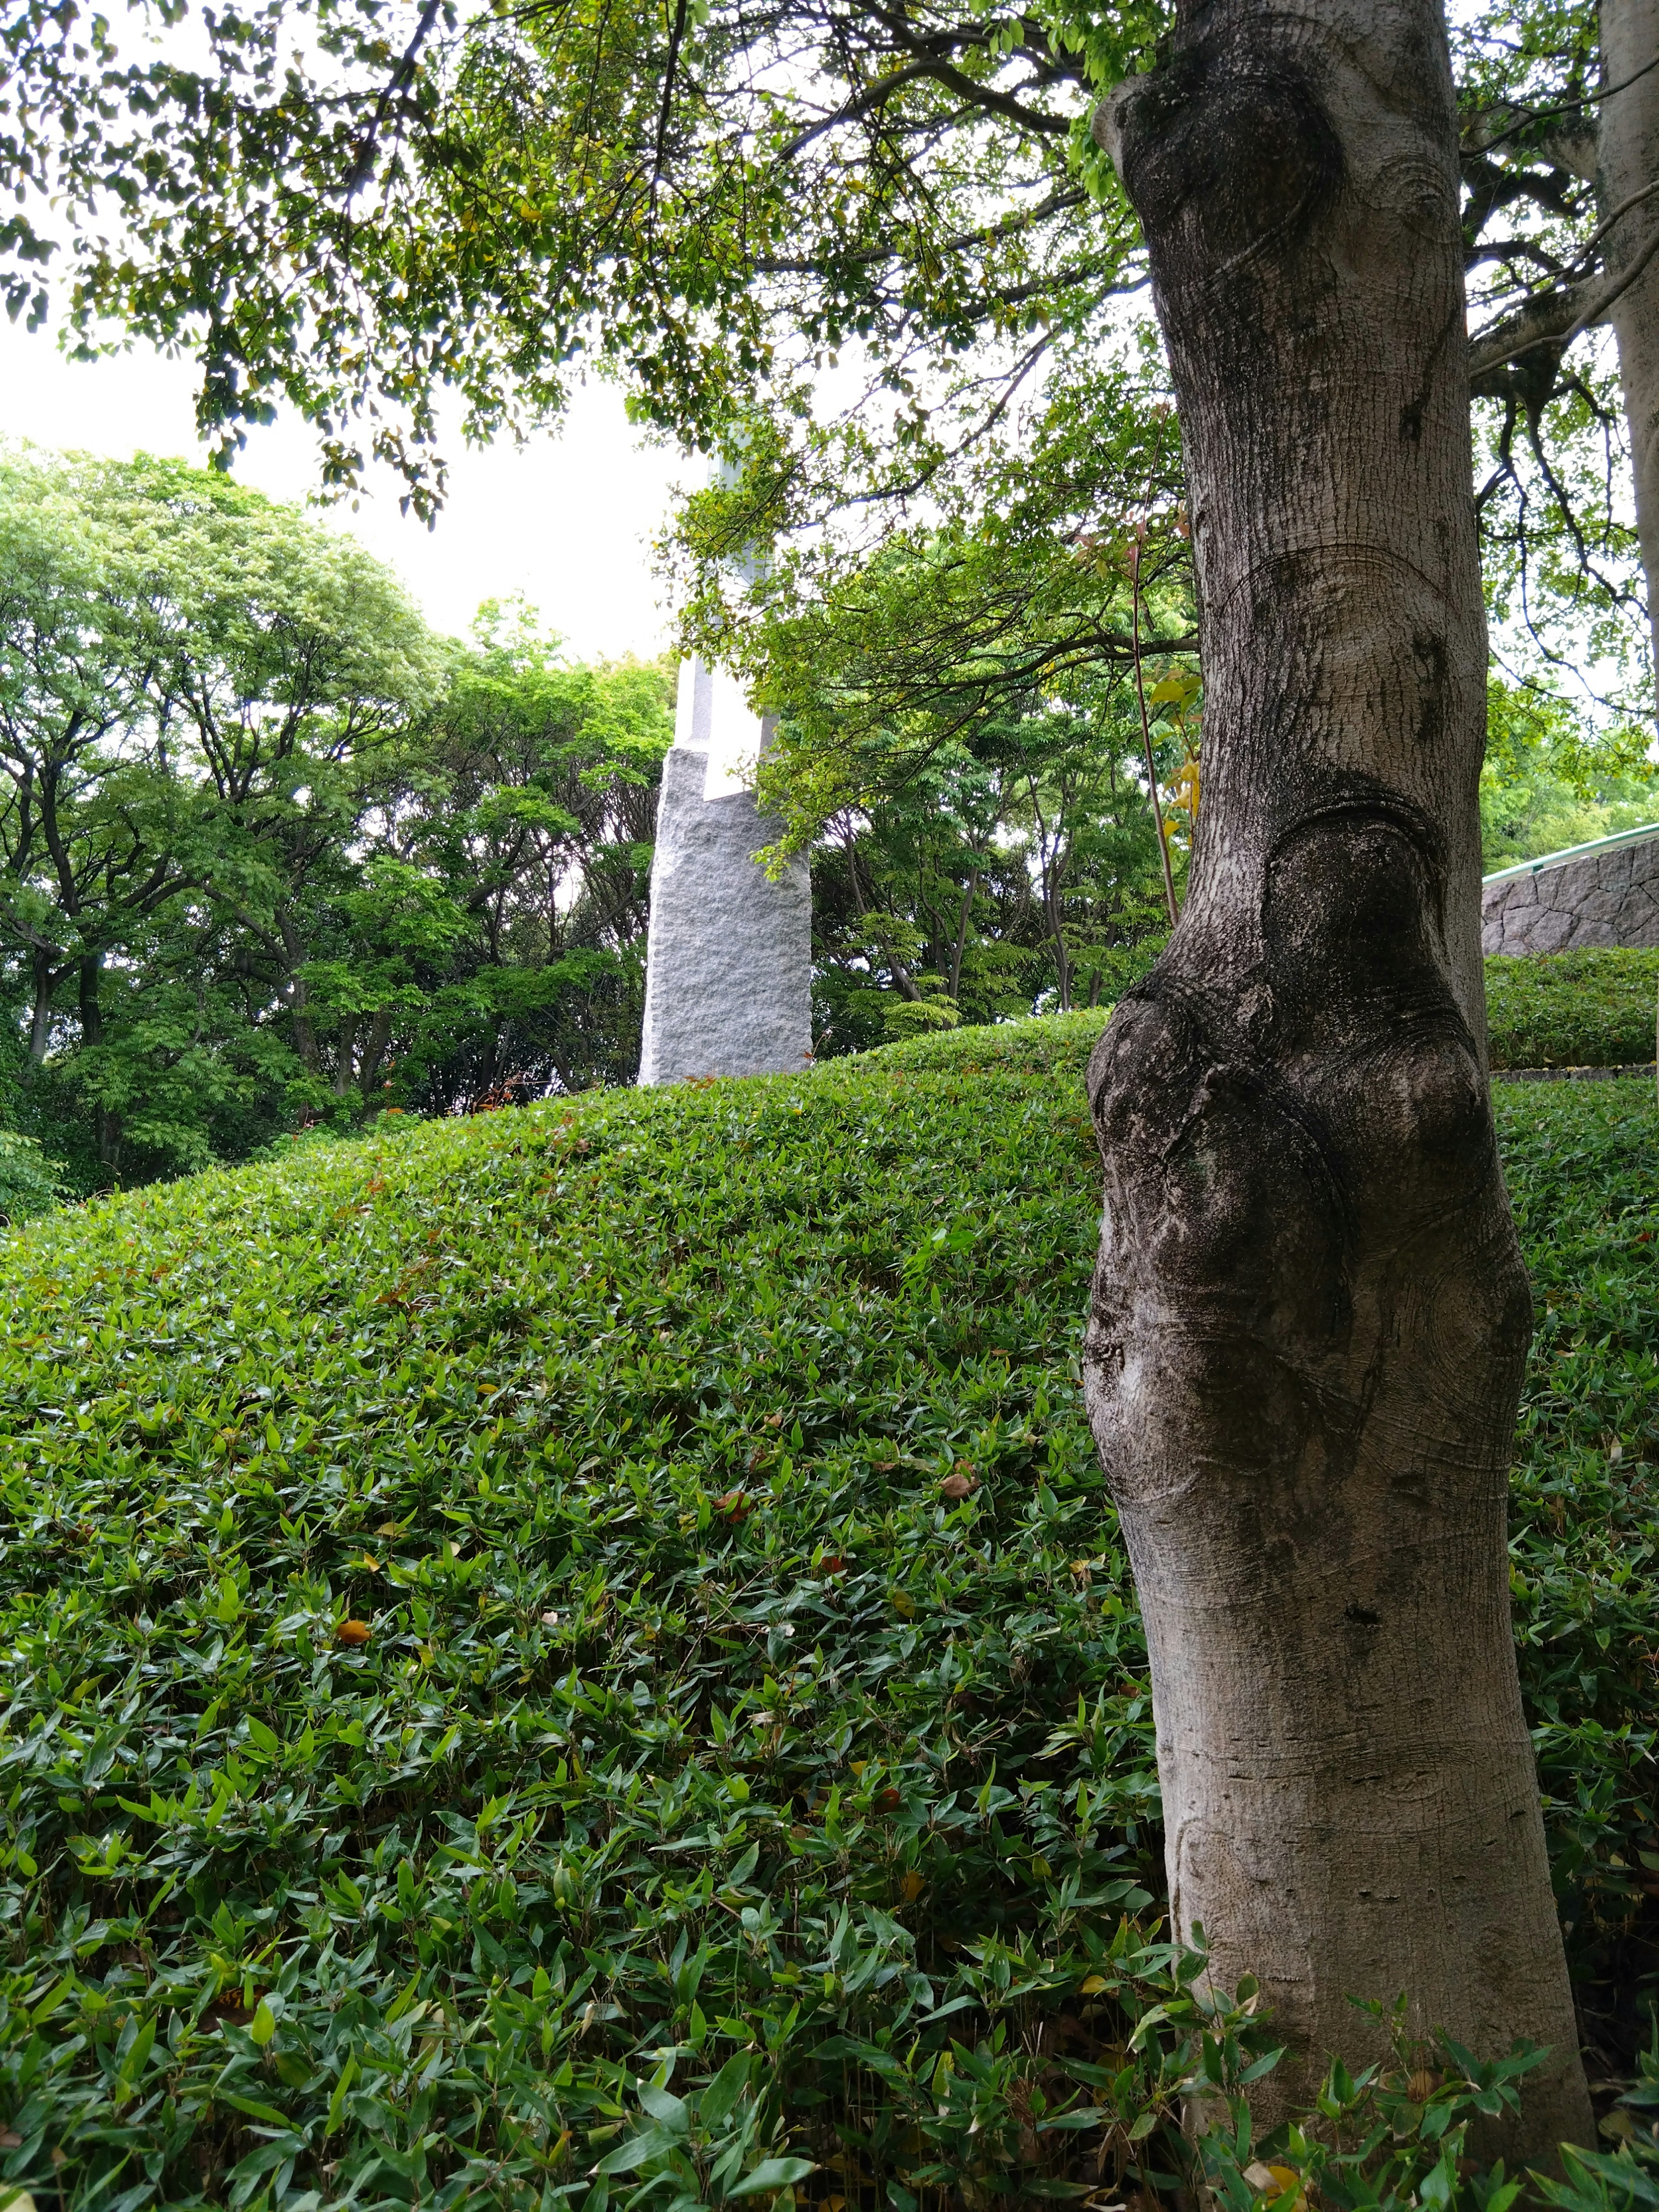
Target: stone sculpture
[
  {"x": 1606, "y": 893},
  {"x": 729, "y": 960}
]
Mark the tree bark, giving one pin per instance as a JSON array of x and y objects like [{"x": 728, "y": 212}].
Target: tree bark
[
  {"x": 959, "y": 942},
  {"x": 1309, "y": 1316},
  {"x": 43, "y": 979},
  {"x": 299, "y": 999},
  {"x": 379, "y": 1036},
  {"x": 1628, "y": 141},
  {"x": 345, "y": 1065},
  {"x": 107, "y": 1122}
]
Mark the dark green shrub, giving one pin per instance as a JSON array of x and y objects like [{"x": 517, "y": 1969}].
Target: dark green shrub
[
  {"x": 1043, "y": 1042},
  {"x": 1590, "y": 1009}
]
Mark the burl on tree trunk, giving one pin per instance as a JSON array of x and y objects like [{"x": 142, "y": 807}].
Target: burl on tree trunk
[{"x": 1310, "y": 1315}]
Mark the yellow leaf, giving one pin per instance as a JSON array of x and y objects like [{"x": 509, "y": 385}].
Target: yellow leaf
[
  {"x": 1095, "y": 1984},
  {"x": 913, "y": 1885}
]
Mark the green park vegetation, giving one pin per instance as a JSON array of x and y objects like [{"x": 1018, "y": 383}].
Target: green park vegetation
[
  {"x": 1586, "y": 1009},
  {"x": 275, "y": 857},
  {"x": 271, "y": 854},
  {"x": 580, "y": 1656}
]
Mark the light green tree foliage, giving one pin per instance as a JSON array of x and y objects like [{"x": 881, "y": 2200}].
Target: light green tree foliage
[
  {"x": 1550, "y": 781},
  {"x": 194, "y": 682},
  {"x": 531, "y": 798},
  {"x": 270, "y": 852},
  {"x": 1013, "y": 868},
  {"x": 959, "y": 710}
]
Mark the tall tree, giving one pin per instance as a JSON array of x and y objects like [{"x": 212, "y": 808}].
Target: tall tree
[
  {"x": 1309, "y": 1315},
  {"x": 1561, "y": 159},
  {"x": 198, "y": 691}
]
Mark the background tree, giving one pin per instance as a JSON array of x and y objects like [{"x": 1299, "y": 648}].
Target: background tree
[
  {"x": 194, "y": 684},
  {"x": 533, "y": 800},
  {"x": 269, "y": 852}
]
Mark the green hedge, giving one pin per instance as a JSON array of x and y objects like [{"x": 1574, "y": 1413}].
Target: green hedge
[
  {"x": 1556, "y": 1010},
  {"x": 1047, "y": 1041},
  {"x": 1572, "y": 1009}
]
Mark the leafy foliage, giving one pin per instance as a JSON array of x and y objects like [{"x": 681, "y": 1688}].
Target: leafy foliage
[
  {"x": 1588, "y": 1009},
  {"x": 1549, "y": 781},
  {"x": 1058, "y": 1041},
  {"x": 590, "y": 1638},
  {"x": 269, "y": 851}
]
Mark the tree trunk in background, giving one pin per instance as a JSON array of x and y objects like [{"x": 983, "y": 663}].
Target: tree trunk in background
[
  {"x": 379, "y": 1036},
  {"x": 345, "y": 1066},
  {"x": 299, "y": 1000},
  {"x": 1309, "y": 1314},
  {"x": 44, "y": 980},
  {"x": 1628, "y": 147},
  {"x": 89, "y": 979}
]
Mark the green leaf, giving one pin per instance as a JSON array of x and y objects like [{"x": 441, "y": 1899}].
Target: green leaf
[{"x": 773, "y": 2173}]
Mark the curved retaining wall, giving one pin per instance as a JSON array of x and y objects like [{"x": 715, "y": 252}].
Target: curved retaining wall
[{"x": 1606, "y": 893}]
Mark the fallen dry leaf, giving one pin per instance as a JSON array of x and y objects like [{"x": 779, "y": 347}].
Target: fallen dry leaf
[{"x": 958, "y": 1485}]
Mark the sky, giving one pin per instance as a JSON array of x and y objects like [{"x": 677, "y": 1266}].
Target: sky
[{"x": 567, "y": 521}]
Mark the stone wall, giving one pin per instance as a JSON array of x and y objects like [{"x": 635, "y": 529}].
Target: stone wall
[{"x": 1606, "y": 894}]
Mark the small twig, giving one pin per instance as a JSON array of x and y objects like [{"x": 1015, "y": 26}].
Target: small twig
[{"x": 1567, "y": 106}]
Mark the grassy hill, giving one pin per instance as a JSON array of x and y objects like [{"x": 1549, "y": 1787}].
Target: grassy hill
[{"x": 591, "y": 1639}]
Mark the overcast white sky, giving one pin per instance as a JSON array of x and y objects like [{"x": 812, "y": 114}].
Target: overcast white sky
[{"x": 568, "y": 520}]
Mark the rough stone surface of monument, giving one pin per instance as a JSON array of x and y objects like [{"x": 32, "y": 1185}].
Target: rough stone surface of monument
[
  {"x": 729, "y": 959},
  {"x": 1606, "y": 893}
]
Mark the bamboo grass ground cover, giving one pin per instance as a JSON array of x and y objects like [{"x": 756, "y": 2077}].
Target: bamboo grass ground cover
[
  {"x": 1595, "y": 1008},
  {"x": 579, "y": 1658}
]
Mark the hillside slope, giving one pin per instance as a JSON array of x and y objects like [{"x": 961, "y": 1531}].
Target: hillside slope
[{"x": 511, "y": 1608}]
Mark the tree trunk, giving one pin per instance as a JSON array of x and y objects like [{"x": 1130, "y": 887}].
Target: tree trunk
[
  {"x": 1309, "y": 1314},
  {"x": 299, "y": 1000},
  {"x": 345, "y": 1065},
  {"x": 107, "y": 1122},
  {"x": 379, "y": 1036},
  {"x": 45, "y": 979},
  {"x": 959, "y": 944},
  {"x": 1628, "y": 141}
]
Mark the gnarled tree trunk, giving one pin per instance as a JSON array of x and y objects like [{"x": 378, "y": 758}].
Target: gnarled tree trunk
[
  {"x": 1628, "y": 161},
  {"x": 1310, "y": 1315}
]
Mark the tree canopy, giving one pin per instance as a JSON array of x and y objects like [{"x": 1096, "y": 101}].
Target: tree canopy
[{"x": 269, "y": 851}]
